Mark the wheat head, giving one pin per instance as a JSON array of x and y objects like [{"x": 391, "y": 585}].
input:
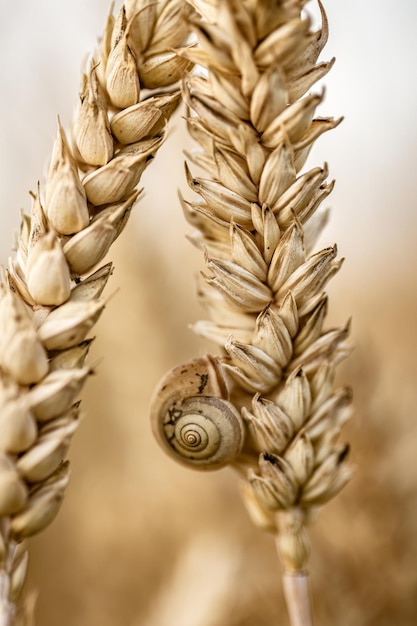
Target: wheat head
[
  {"x": 51, "y": 293},
  {"x": 267, "y": 404}
]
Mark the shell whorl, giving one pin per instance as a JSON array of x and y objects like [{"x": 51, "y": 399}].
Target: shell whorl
[{"x": 192, "y": 419}]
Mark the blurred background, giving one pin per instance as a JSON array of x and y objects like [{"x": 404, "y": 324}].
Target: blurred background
[{"x": 139, "y": 540}]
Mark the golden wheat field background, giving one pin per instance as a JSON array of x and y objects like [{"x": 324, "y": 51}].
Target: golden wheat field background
[{"x": 139, "y": 540}]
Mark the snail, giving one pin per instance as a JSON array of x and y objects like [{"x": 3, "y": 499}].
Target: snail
[{"x": 192, "y": 420}]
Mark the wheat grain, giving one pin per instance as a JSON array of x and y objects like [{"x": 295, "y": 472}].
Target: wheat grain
[
  {"x": 51, "y": 295},
  {"x": 252, "y": 114}
]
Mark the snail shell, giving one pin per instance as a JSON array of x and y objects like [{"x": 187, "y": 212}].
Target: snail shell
[{"x": 192, "y": 421}]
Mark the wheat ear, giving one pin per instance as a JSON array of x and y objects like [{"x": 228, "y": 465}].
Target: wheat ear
[
  {"x": 267, "y": 405},
  {"x": 51, "y": 295}
]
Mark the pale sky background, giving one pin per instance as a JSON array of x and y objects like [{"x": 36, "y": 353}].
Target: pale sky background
[{"x": 371, "y": 155}]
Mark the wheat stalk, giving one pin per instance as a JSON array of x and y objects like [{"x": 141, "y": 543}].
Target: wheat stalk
[
  {"x": 268, "y": 403},
  {"x": 51, "y": 294}
]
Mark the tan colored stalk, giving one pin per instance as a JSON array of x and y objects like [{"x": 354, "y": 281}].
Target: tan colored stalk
[
  {"x": 51, "y": 295},
  {"x": 267, "y": 404}
]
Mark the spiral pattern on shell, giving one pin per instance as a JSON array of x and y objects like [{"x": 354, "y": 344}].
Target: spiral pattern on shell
[{"x": 204, "y": 431}]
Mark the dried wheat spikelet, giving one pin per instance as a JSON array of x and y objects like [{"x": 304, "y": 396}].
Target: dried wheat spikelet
[
  {"x": 267, "y": 405},
  {"x": 51, "y": 294}
]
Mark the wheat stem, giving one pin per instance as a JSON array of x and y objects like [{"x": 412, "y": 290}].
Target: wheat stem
[
  {"x": 293, "y": 549},
  {"x": 6, "y": 607},
  {"x": 297, "y": 597}
]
